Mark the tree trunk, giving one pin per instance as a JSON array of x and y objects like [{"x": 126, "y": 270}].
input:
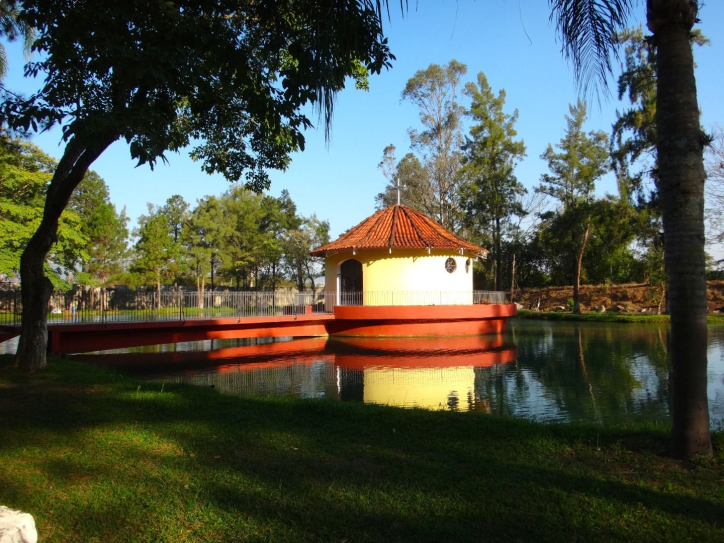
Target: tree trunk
[
  {"x": 311, "y": 278},
  {"x": 577, "y": 273},
  {"x": 498, "y": 254},
  {"x": 213, "y": 261},
  {"x": 158, "y": 289},
  {"x": 512, "y": 279},
  {"x": 36, "y": 288},
  {"x": 201, "y": 292},
  {"x": 681, "y": 188}
]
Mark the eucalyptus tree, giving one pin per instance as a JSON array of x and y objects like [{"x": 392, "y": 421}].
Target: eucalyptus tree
[
  {"x": 491, "y": 194},
  {"x": 589, "y": 31},
  {"x": 414, "y": 183},
  {"x": 582, "y": 159},
  {"x": 388, "y": 167},
  {"x": 228, "y": 77},
  {"x": 435, "y": 93}
]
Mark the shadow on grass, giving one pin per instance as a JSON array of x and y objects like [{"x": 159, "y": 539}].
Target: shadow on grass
[{"x": 96, "y": 455}]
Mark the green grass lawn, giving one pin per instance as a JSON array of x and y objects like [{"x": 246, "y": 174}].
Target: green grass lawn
[
  {"x": 96, "y": 456},
  {"x": 606, "y": 317}
]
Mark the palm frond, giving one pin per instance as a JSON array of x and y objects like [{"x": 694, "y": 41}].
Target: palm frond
[
  {"x": 326, "y": 94},
  {"x": 588, "y": 30}
]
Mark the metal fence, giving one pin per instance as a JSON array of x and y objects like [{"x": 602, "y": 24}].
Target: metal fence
[
  {"x": 436, "y": 297},
  {"x": 10, "y": 307},
  {"x": 490, "y": 297},
  {"x": 107, "y": 306},
  {"x": 110, "y": 305}
]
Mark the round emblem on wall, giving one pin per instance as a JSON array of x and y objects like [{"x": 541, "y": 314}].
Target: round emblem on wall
[
  {"x": 467, "y": 266},
  {"x": 450, "y": 265}
]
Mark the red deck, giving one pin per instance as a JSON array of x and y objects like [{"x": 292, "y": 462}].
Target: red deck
[
  {"x": 428, "y": 320},
  {"x": 354, "y": 321}
]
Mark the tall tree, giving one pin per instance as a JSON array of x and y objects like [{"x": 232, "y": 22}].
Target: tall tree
[
  {"x": 633, "y": 137},
  {"x": 633, "y": 142},
  {"x": 230, "y": 77},
  {"x": 435, "y": 92},
  {"x": 491, "y": 153},
  {"x": 279, "y": 215},
  {"x": 582, "y": 160},
  {"x": 176, "y": 210},
  {"x": 415, "y": 191},
  {"x": 107, "y": 244},
  {"x": 609, "y": 257},
  {"x": 203, "y": 242},
  {"x": 156, "y": 250},
  {"x": 25, "y": 172},
  {"x": 589, "y": 34},
  {"x": 104, "y": 230},
  {"x": 679, "y": 144},
  {"x": 388, "y": 167},
  {"x": 298, "y": 243},
  {"x": 238, "y": 228}
]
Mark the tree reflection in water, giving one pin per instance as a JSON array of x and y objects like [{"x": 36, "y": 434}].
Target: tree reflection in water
[{"x": 538, "y": 370}]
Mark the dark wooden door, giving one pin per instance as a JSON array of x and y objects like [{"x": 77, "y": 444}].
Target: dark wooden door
[{"x": 351, "y": 283}]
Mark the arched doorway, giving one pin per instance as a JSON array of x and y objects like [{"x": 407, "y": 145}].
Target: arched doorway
[{"x": 350, "y": 283}]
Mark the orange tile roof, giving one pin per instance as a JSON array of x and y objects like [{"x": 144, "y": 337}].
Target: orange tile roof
[{"x": 397, "y": 227}]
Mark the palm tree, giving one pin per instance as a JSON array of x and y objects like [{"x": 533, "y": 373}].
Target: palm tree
[
  {"x": 12, "y": 27},
  {"x": 588, "y": 29}
]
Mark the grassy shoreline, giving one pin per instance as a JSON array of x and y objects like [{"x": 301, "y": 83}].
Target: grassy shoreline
[
  {"x": 606, "y": 317},
  {"x": 97, "y": 456}
]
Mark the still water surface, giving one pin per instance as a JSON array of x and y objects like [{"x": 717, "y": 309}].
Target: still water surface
[{"x": 538, "y": 370}]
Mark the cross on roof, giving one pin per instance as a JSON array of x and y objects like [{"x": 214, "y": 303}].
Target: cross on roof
[{"x": 398, "y": 186}]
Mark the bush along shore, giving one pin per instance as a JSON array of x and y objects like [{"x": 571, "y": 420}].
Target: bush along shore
[
  {"x": 606, "y": 317},
  {"x": 97, "y": 456}
]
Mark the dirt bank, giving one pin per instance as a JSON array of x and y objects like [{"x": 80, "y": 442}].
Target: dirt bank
[{"x": 636, "y": 298}]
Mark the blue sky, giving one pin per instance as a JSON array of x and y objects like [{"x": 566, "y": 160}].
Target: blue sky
[{"x": 511, "y": 41}]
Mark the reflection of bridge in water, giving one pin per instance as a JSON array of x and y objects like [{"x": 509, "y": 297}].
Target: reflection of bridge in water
[
  {"x": 118, "y": 322},
  {"x": 434, "y": 373},
  {"x": 85, "y": 337}
]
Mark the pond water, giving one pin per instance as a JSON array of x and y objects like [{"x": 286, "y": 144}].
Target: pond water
[{"x": 546, "y": 371}]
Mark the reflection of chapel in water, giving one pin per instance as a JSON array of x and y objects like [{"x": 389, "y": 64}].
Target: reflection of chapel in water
[{"x": 382, "y": 371}]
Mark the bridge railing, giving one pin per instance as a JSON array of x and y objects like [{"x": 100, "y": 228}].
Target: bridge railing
[{"x": 107, "y": 306}]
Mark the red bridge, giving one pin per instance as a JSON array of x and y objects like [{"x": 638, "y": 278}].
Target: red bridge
[{"x": 356, "y": 321}]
